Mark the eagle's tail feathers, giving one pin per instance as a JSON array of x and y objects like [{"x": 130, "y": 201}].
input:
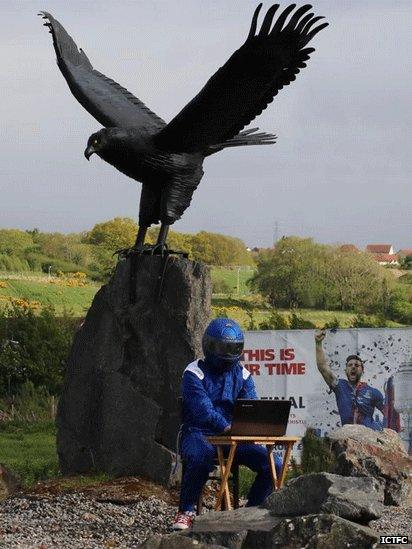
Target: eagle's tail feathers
[{"x": 244, "y": 138}]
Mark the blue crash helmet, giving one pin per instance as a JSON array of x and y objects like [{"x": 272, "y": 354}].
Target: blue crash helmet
[{"x": 223, "y": 342}]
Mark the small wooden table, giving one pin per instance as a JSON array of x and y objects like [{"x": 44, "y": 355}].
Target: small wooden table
[{"x": 233, "y": 441}]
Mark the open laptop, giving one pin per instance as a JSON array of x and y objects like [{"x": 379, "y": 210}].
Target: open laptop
[{"x": 260, "y": 418}]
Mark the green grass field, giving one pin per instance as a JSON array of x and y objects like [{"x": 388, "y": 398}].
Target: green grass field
[
  {"x": 235, "y": 278},
  {"x": 75, "y": 299},
  {"x": 29, "y": 449},
  {"x": 78, "y": 299}
]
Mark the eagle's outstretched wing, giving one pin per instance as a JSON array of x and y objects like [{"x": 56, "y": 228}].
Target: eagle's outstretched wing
[
  {"x": 247, "y": 83},
  {"x": 111, "y": 104}
]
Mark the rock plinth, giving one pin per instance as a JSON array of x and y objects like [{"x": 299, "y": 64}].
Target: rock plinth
[
  {"x": 119, "y": 410},
  {"x": 362, "y": 452}
]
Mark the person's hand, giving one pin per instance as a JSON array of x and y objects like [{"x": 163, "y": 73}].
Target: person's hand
[
  {"x": 320, "y": 336},
  {"x": 226, "y": 429}
]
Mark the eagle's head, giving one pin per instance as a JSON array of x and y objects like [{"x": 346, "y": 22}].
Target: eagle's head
[{"x": 103, "y": 141}]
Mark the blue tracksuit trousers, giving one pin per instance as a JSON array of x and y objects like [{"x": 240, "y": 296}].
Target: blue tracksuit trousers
[{"x": 198, "y": 455}]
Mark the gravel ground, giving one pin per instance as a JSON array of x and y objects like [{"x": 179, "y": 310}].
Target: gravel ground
[
  {"x": 76, "y": 521},
  {"x": 397, "y": 521}
]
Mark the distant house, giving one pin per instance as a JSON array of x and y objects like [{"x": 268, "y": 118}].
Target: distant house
[
  {"x": 383, "y": 254},
  {"x": 405, "y": 252}
]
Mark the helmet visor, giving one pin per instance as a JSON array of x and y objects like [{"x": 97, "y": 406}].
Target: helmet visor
[{"x": 223, "y": 348}]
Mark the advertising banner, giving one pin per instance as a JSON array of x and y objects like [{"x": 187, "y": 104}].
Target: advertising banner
[{"x": 283, "y": 365}]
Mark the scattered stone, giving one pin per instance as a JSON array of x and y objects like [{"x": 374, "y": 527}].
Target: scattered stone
[
  {"x": 176, "y": 541},
  {"x": 119, "y": 403},
  {"x": 362, "y": 452},
  {"x": 77, "y": 521},
  {"x": 395, "y": 520},
  {"x": 9, "y": 482},
  {"x": 359, "y": 499},
  {"x": 89, "y": 517},
  {"x": 231, "y": 540}
]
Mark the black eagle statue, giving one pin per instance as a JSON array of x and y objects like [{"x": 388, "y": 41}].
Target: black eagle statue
[{"x": 167, "y": 158}]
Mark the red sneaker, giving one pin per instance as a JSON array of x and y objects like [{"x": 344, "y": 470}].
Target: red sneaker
[{"x": 183, "y": 520}]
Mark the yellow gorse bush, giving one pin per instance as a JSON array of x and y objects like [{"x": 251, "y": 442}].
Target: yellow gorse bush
[
  {"x": 70, "y": 280},
  {"x": 24, "y": 304}
]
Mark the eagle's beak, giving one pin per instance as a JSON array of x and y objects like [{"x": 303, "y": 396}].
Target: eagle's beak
[{"x": 89, "y": 151}]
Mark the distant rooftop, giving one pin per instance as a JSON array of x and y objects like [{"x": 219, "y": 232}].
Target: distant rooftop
[{"x": 379, "y": 248}]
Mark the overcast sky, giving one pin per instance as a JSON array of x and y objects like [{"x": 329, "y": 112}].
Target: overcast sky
[{"x": 340, "y": 171}]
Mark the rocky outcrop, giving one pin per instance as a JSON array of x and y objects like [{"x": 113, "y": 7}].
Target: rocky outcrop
[
  {"x": 362, "y": 452},
  {"x": 357, "y": 499},
  {"x": 321, "y": 531},
  {"x": 9, "y": 482},
  {"x": 251, "y": 527},
  {"x": 119, "y": 408}
]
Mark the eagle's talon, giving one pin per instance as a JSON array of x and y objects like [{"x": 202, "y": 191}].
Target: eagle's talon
[{"x": 158, "y": 249}]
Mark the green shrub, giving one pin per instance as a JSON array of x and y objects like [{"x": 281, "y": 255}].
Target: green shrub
[
  {"x": 38, "y": 350},
  {"x": 60, "y": 265},
  {"x": 30, "y": 404},
  {"x": 13, "y": 263},
  {"x": 316, "y": 454},
  {"x": 366, "y": 321},
  {"x": 406, "y": 278},
  {"x": 333, "y": 324},
  {"x": 296, "y": 322},
  {"x": 220, "y": 286},
  {"x": 400, "y": 306},
  {"x": 276, "y": 321}
]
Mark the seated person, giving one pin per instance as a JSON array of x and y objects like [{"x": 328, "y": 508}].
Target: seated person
[{"x": 210, "y": 388}]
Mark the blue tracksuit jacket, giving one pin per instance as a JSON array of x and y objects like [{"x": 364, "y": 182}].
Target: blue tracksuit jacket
[{"x": 209, "y": 396}]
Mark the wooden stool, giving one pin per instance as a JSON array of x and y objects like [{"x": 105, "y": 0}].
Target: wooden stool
[{"x": 233, "y": 441}]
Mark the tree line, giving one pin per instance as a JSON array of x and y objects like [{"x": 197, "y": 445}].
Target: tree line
[
  {"x": 92, "y": 251},
  {"x": 300, "y": 273}
]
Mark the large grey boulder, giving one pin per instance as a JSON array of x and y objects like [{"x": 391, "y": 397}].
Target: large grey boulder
[
  {"x": 230, "y": 528},
  {"x": 357, "y": 499},
  {"x": 314, "y": 531},
  {"x": 254, "y": 527},
  {"x": 244, "y": 518},
  {"x": 362, "y": 452},
  {"x": 119, "y": 410}
]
